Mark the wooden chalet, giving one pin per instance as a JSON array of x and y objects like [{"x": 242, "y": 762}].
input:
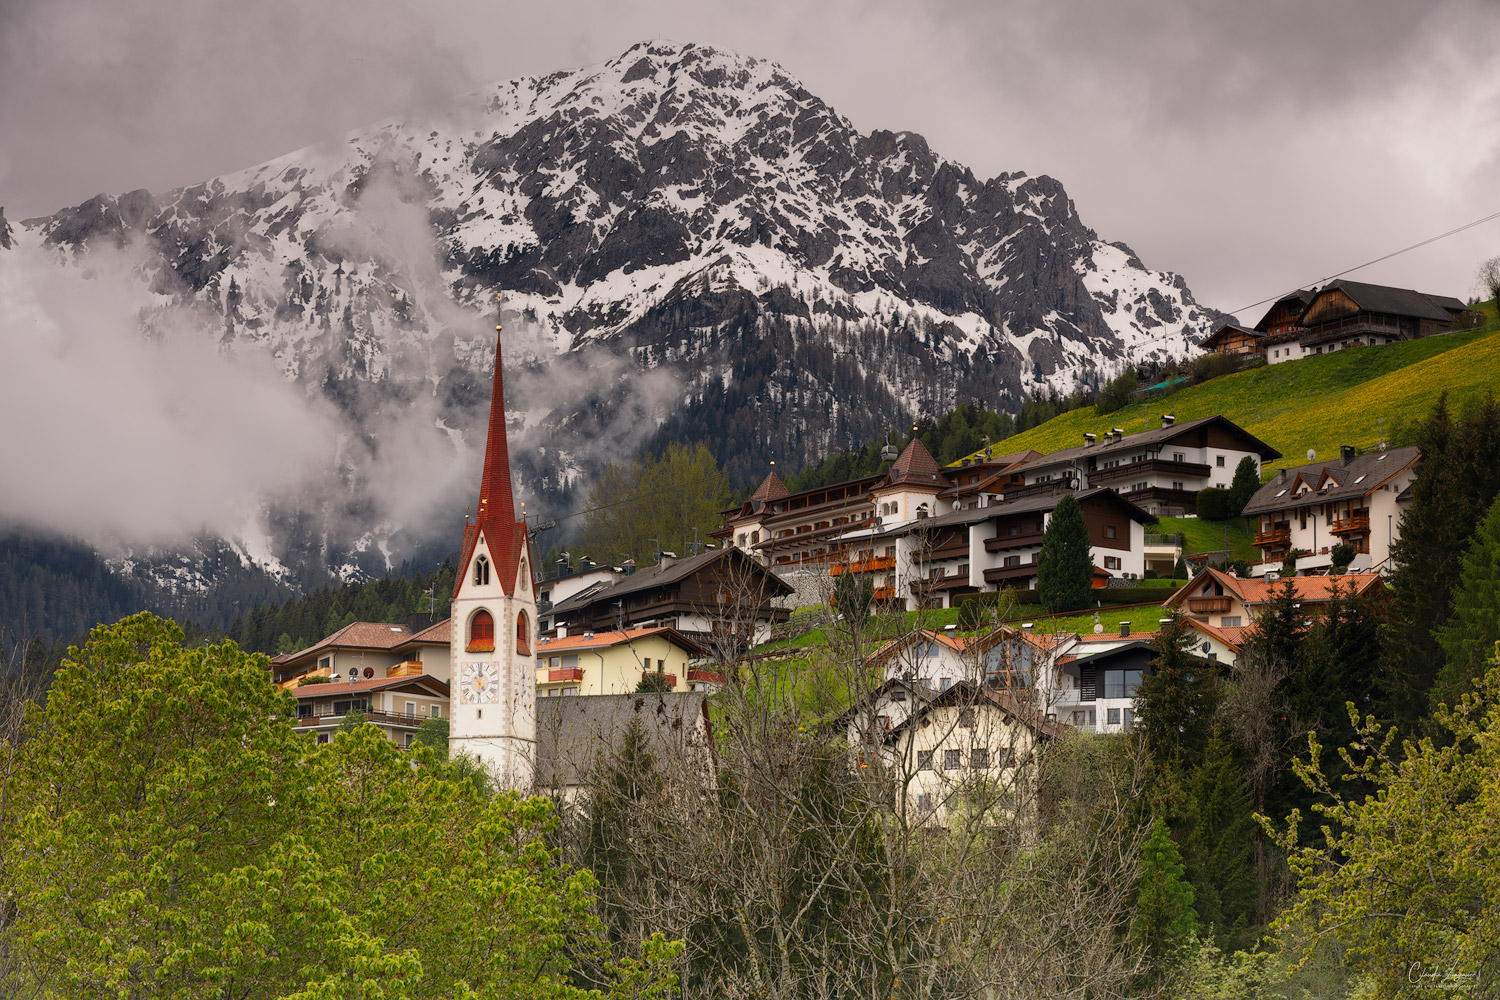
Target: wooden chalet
[
  {"x": 1231, "y": 338},
  {"x": 699, "y": 596}
]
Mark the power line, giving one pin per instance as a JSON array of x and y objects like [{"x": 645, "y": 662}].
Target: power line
[{"x": 1377, "y": 260}]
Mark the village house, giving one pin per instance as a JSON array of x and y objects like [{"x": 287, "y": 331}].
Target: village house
[
  {"x": 970, "y": 751},
  {"x": 1344, "y": 314},
  {"x": 616, "y": 662},
  {"x": 396, "y": 705},
  {"x": 719, "y": 598},
  {"x": 1159, "y": 470},
  {"x": 1231, "y": 338},
  {"x": 369, "y": 650},
  {"x": 867, "y": 722},
  {"x": 790, "y": 532},
  {"x": 1308, "y": 509},
  {"x": 1004, "y": 658},
  {"x": 1225, "y": 601}
]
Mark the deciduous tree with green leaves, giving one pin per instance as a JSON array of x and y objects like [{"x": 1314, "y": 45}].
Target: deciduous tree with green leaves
[
  {"x": 1065, "y": 566},
  {"x": 173, "y": 836},
  {"x": 1406, "y": 879}
]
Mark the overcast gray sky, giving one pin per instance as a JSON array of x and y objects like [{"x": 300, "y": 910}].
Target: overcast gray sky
[{"x": 1250, "y": 146}]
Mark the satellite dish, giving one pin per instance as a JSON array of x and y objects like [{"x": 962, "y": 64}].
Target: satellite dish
[
  {"x": 369, "y": 672},
  {"x": 1208, "y": 647},
  {"x": 1382, "y": 446},
  {"x": 1312, "y": 456}
]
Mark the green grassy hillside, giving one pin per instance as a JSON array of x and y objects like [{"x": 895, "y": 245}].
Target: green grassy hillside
[{"x": 1359, "y": 397}]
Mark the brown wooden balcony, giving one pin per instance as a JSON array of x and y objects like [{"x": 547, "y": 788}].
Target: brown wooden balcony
[
  {"x": 1018, "y": 541},
  {"x": 1276, "y": 538},
  {"x": 1160, "y": 466},
  {"x": 1208, "y": 605},
  {"x": 1009, "y": 572},
  {"x": 704, "y": 676},
  {"x": 942, "y": 581},
  {"x": 1356, "y": 525},
  {"x": 562, "y": 675}
]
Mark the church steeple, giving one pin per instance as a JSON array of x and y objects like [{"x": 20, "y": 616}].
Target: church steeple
[
  {"x": 495, "y": 500},
  {"x": 492, "y": 632},
  {"x": 495, "y": 516}
]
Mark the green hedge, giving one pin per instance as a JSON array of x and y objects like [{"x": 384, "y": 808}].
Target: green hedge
[{"x": 1131, "y": 595}]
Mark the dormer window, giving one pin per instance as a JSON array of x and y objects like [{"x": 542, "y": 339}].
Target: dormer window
[{"x": 482, "y": 575}]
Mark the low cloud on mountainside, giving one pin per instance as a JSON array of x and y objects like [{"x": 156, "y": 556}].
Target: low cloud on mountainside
[{"x": 116, "y": 437}]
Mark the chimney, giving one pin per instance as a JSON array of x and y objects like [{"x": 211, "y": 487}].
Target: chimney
[
  {"x": 1281, "y": 476},
  {"x": 1168, "y": 419},
  {"x": 1089, "y": 439},
  {"x": 1124, "y": 630},
  {"x": 665, "y": 558},
  {"x": 1118, "y": 432},
  {"x": 1346, "y": 452}
]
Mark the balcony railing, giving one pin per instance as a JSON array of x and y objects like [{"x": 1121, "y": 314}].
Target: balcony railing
[
  {"x": 1163, "y": 540},
  {"x": 871, "y": 565},
  {"x": 1208, "y": 605},
  {"x": 1356, "y": 525},
  {"x": 560, "y": 675},
  {"x": 1018, "y": 541},
  {"x": 377, "y": 717},
  {"x": 1276, "y": 538},
  {"x": 1010, "y": 572},
  {"x": 670, "y": 680},
  {"x": 1160, "y": 466},
  {"x": 696, "y": 676}
]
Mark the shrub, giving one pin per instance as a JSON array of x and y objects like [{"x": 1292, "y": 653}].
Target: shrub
[{"x": 1214, "y": 504}]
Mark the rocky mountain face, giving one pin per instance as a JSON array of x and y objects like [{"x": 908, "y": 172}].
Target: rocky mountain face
[{"x": 691, "y": 246}]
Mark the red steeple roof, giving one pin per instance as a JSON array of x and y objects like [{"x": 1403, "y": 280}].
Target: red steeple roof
[{"x": 495, "y": 515}]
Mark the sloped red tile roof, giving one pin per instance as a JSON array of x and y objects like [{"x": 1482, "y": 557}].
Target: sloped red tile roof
[
  {"x": 439, "y": 634},
  {"x": 617, "y": 638},
  {"x": 1260, "y": 590},
  {"x": 771, "y": 488},
  {"x": 916, "y": 465}
]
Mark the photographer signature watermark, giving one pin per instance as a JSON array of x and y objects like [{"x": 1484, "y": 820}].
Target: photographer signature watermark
[{"x": 1425, "y": 977}]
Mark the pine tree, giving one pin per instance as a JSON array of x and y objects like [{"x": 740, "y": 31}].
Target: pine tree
[
  {"x": 1457, "y": 481},
  {"x": 1246, "y": 482},
  {"x": 1468, "y": 637},
  {"x": 1219, "y": 839},
  {"x": 1065, "y": 566},
  {"x": 1175, "y": 705},
  {"x": 1164, "y": 916}
]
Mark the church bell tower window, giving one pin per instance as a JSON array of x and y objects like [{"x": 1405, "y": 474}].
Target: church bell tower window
[
  {"x": 481, "y": 572},
  {"x": 523, "y": 635},
  {"x": 481, "y": 633}
]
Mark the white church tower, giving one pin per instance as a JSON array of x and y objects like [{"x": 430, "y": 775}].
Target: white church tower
[{"x": 493, "y": 625}]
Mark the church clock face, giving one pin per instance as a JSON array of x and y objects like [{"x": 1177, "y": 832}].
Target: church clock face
[{"x": 479, "y": 684}]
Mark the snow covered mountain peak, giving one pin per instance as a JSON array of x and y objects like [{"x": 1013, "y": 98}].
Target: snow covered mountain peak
[{"x": 692, "y": 247}]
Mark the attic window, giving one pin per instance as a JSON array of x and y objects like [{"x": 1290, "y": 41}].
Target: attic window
[
  {"x": 1381, "y": 458},
  {"x": 1281, "y": 494},
  {"x": 1359, "y": 480}
]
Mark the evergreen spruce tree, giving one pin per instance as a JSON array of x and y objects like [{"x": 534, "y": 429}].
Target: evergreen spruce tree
[
  {"x": 1219, "y": 838},
  {"x": 1457, "y": 481},
  {"x": 1175, "y": 705},
  {"x": 1164, "y": 916},
  {"x": 1065, "y": 567},
  {"x": 1468, "y": 637},
  {"x": 1242, "y": 488}
]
